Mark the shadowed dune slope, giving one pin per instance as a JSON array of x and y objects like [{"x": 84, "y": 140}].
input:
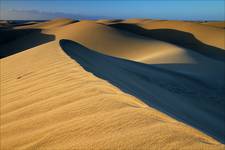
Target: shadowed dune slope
[
  {"x": 19, "y": 37},
  {"x": 107, "y": 21},
  {"x": 205, "y": 34},
  {"x": 122, "y": 44},
  {"x": 113, "y": 42},
  {"x": 14, "y": 41},
  {"x": 180, "y": 38},
  {"x": 190, "y": 101},
  {"x": 49, "y": 102}
]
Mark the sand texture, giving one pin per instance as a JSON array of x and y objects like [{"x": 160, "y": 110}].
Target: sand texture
[{"x": 112, "y": 84}]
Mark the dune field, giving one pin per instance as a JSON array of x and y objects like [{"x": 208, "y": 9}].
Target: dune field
[{"x": 112, "y": 84}]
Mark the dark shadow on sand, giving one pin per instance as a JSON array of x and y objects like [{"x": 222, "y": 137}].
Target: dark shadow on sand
[
  {"x": 13, "y": 41},
  {"x": 177, "y": 95},
  {"x": 180, "y": 38}
]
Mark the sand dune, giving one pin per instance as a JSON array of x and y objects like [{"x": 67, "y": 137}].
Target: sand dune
[
  {"x": 49, "y": 24},
  {"x": 219, "y": 24},
  {"x": 200, "y": 31},
  {"x": 203, "y": 33},
  {"x": 61, "y": 95},
  {"x": 12, "y": 39},
  {"x": 130, "y": 21},
  {"x": 110, "y": 41},
  {"x": 149, "y": 80}
]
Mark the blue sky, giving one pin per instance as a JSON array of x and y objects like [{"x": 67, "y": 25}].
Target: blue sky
[{"x": 97, "y": 9}]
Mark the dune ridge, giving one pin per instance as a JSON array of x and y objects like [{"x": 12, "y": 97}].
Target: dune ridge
[
  {"x": 149, "y": 80},
  {"x": 218, "y": 24},
  {"x": 113, "y": 42},
  {"x": 48, "y": 100}
]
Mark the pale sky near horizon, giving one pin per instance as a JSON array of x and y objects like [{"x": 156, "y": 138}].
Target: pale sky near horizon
[{"x": 97, "y": 9}]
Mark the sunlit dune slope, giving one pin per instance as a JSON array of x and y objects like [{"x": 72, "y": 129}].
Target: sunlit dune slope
[
  {"x": 48, "y": 24},
  {"x": 132, "y": 20},
  {"x": 207, "y": 34},
  {"x": 48, "y": 101},
  {"x": 108, "y": 21},
  {"x": 113, "y": 41},
  {"x": 162, "y": 87},
  {"x": 123, "y": 44},
  {"x": 219, "y": 24}
]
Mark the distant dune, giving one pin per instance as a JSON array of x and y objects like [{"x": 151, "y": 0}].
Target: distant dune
[
  {"x": 112, "y": 84},
  {"x": 219, "y": 24},
  {"x": 48, "y": 25}
]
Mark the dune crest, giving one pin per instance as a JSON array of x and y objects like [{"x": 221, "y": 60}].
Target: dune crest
[
  {"x": 49, "y": 24},
  {"x": 149, "y": 80},
  {"x": 106, "y": 88}
]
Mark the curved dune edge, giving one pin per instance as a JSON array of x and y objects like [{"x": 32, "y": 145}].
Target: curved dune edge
[
  {"x": 190, "y": 101},
  {"x": 41, "y": 107},
  {"x": 204, "y": 32},
  {"x": 122, "y": 44}
]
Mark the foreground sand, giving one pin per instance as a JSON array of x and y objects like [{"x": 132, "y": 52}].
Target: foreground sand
[{"x": 48, "y": 101}]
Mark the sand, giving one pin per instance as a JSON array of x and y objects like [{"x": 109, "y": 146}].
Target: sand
[
  {"x": 219, "y": 24},
  {"x": 55, "y": 94}
]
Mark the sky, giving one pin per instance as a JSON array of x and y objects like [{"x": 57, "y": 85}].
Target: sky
[{"x": 112, "y": 9}]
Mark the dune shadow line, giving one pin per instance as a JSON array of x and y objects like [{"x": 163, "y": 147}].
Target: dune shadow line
[
  {"x": 13, "y": 41},
  {"x": 179, "y": 96},
  {"x": 180, "y": 38}
]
